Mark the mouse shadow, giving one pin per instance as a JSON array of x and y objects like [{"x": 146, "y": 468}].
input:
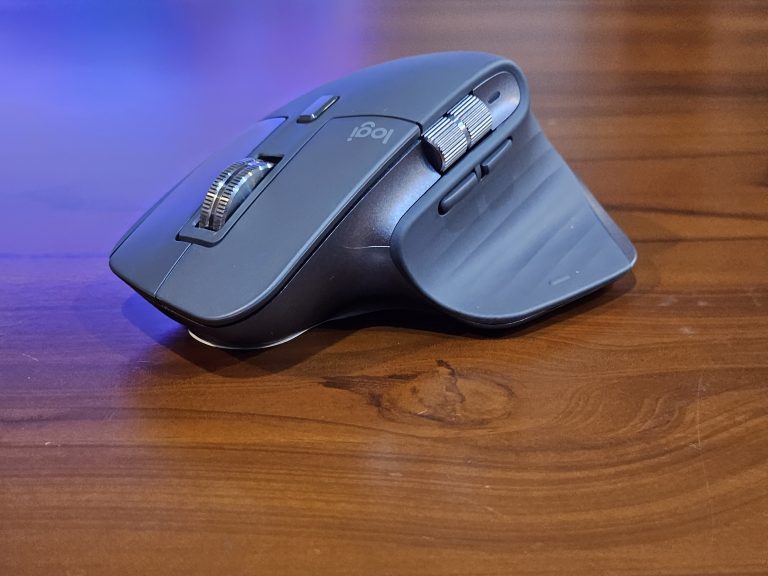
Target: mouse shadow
[{"x": 175, "y": 338}]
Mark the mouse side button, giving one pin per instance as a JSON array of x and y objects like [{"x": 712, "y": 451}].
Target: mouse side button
[
  {"x": 454, "y": 196},
  {"x": 494, "y": 158}
]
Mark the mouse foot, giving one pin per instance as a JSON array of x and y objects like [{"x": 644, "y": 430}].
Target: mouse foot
[{"x": 262, "y": 347}]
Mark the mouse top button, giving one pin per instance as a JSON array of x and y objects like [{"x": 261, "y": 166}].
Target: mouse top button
[{"x": 318, "y": 107}]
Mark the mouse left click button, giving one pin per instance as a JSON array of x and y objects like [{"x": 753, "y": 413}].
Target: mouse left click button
[{"x": 228, "y": 191}]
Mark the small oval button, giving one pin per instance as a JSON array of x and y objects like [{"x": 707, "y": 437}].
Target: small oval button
[{"x": 314, "y": 110}]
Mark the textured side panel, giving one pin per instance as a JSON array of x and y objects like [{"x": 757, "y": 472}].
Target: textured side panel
[{"x": 524, "y": 241}]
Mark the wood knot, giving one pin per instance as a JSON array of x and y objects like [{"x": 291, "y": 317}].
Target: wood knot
[{"x": 443, "y": 394}]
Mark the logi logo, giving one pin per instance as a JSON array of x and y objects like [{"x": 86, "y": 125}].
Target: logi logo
[{"x": 368, "y": 129}]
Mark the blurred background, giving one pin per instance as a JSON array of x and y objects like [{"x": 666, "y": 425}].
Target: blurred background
[{"x": 105, "y": 105}]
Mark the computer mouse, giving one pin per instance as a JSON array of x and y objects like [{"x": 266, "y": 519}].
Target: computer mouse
[{"x": 424, "y": 183}]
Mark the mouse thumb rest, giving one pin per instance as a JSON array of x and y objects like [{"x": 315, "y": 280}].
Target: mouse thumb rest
[{"x": 511, "y": 237}]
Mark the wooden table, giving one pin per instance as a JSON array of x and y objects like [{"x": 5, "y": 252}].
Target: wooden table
[{"x": 627, "y": 434}]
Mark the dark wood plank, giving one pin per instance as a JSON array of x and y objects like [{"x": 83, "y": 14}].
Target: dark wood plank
[{"x": 627, "y": 433}]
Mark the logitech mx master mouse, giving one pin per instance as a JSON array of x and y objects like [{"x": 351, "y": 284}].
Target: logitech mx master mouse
[{"x": 421, "y": 183}]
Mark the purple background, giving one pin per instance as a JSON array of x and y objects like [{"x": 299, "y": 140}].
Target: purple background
[{"x": 105, "y": 105}]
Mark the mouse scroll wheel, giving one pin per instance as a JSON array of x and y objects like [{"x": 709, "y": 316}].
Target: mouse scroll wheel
[
  {"x": 457, "y": 131},
  {"x": 228, "y": 191}
]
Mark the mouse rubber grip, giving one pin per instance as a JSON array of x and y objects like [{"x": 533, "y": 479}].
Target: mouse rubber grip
[{"x": 526, "y": 238}]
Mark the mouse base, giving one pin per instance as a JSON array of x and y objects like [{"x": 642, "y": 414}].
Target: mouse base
[{"x": 261, "y": 347}]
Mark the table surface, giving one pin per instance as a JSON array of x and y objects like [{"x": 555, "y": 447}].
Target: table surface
[{"x": 627, "y": 433}]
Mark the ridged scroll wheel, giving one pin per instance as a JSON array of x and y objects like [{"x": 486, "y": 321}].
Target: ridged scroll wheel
[
  {"x": 457, "y": 131},
  {"x": 228, "y": 191}
]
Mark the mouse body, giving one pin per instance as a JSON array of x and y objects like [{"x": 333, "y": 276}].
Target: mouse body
[{"x": 420, "y": 183}]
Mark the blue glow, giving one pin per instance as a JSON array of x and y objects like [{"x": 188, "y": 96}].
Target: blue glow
[{"x": 105, "y": 105}]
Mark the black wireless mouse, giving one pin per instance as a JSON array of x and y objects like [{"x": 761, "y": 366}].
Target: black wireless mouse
[{"x": 421, "y": 183}]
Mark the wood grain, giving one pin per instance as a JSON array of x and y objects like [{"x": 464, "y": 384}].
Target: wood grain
[{"x": 626, "y": 434}]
